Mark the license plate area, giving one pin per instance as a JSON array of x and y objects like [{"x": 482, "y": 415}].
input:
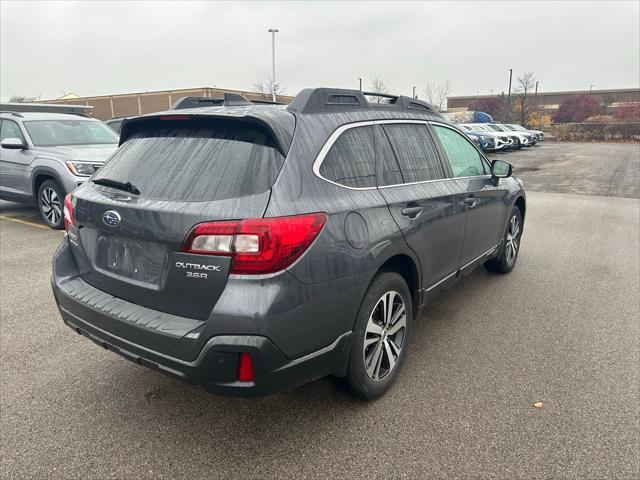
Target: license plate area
[{"x": 140, "y": 261}]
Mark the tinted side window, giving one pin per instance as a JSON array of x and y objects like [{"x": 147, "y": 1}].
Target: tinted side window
[
  {"x": 464, "y": 158},
  {"x": 10, "y": 129},
  {"x": 351, "y": 159},
  {"x": 416, "y": 154},
  {"x": 389, "y": 167},
  {"x": 115, "y": 125}
]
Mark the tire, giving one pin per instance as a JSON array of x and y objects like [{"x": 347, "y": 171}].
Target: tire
[
  {"x": 51, "y": 203},
  {"x": 366, "y": 379},
  {"x": 510, "y": 248}
]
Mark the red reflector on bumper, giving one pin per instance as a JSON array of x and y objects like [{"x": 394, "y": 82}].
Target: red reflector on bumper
[{"x": 245, "y": 368}]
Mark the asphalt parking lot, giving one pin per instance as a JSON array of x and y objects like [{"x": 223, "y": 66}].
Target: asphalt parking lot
[
  {"x": 561, "y": 329},
  {"x": 606, "y": 169}
]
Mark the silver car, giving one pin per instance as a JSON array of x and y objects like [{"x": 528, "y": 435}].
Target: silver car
[{"x": 44, "y": 156}]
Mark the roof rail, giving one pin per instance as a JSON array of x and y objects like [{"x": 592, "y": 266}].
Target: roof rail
[
  {"x": 337, "y": 99},
  {"x": 44, "y": 107},
  {"x": 15, "y": 114},
  {"x": 229, "y": 100}
]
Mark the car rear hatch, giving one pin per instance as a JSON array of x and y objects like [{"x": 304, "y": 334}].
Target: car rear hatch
[{"x": 130, "y": 222}]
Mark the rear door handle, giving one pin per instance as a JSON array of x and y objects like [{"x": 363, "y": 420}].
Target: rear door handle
[
  {"x": 471, "y": 201},
  {"x": 411, "y": 211}
]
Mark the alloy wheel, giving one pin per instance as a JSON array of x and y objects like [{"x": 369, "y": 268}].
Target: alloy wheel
[
  {"x": 513, "y": 239},
  {"x": 51, "y": 206},
  {"x": 384, "y": 337}
]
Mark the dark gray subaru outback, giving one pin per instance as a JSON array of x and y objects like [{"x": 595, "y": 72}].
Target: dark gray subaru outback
[{"x": 252, "y": 248}]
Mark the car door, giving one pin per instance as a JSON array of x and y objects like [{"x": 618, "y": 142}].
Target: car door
[
  {"x": 485, "y": 199},
  {"x": 424, "y": 202},
  {"x": 13, "y": 163}
]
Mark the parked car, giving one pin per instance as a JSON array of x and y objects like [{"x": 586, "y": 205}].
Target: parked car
[
  {"x": 477, "y": 139},
  {"x": 249, "y": 249},
  {"x": 488, "y": 141},
  {"x": 538, "y": 136},
  {"x": 44, "y": 156},
  {"x": 511, "y": 139},
  {"x": 524, "y": 138}
]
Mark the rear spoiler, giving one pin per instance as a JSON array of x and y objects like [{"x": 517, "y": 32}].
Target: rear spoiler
[
  {"x": 229, "y": 100},
  {"x": 281, "y": 135}
]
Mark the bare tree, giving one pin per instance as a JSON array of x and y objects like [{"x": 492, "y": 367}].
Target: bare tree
[
  {"x": 524, "y": 103},
  {"x": 21, "y": 99},
  {"x": 268, "y": 87},
  {"x": 378, "y": 86},
  {"x": 436, "y": 94}
]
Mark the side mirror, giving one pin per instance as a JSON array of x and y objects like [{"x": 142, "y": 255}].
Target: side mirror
[
  {"x": 501, "y": 169},
  {"x": 13, "y": 144}
]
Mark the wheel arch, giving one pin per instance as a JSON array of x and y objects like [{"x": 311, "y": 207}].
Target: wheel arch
[
  {"x": 41, "y": 175},
  {"x": 521, "y": 203},
  {"x": 406, "y": 267}
]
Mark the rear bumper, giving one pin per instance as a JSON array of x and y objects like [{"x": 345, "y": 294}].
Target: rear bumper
[
  {"x": 164, "y": 342},
  {"x": 216, "y": 367}
]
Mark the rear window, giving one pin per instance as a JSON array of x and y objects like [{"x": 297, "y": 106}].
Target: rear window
[{"x": 195, "y": 161}]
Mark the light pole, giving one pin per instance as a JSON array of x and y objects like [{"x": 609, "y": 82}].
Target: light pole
[
  {"x": 273, "y": 32},
  {"x": 414, "y": 92},
  {"x": 590, "y": 88},
  {"x": 360, "y": 80},
  {"x": 509, "y": 97}
]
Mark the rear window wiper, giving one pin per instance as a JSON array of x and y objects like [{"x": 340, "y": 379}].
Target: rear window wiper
[{"x": 126, "y": 186}]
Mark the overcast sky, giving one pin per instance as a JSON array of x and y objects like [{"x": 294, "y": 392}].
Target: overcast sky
[{"x": 98, "y": 48}]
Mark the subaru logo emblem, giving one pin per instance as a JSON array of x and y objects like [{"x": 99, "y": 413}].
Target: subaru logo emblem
[{"x": 111, "y": 218}]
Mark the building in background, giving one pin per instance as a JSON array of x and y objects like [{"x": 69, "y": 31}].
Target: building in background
[
  {"x": 549, "y": 102},
  {"x": 106, "y": 107}
]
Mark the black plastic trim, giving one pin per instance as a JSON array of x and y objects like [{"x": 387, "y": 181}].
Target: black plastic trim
[
  {"x": 317, "y": 100},
  {"x": 46, "y": 171},
  {"x": 215, "y": 368}
]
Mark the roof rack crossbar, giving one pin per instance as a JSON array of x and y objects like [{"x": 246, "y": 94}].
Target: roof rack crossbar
[
  {"x": 333, "y": 99},
  {"x": 377, "y": 94}
]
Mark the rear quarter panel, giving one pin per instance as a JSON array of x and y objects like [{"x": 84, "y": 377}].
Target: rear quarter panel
[{"x": 341, "y": 262}]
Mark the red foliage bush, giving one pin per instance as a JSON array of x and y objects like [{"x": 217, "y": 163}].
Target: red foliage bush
[
  {"x": 577, "y": 108},
  {"x": 494, "y": 106},
  {"x": 628, "y": 113}
]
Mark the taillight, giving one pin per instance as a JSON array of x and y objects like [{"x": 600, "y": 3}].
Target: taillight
[
  {"x": 68, "y": 212},
  {"x": 257, "y": 246}
]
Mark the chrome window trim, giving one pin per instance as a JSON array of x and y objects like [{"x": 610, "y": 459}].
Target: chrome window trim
[
  {"x": 340, "y": 130},
  {"x": 414, "y": 183},
  {"x": 327, "y": 146},
  {"x": 473, "y": 176}
]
